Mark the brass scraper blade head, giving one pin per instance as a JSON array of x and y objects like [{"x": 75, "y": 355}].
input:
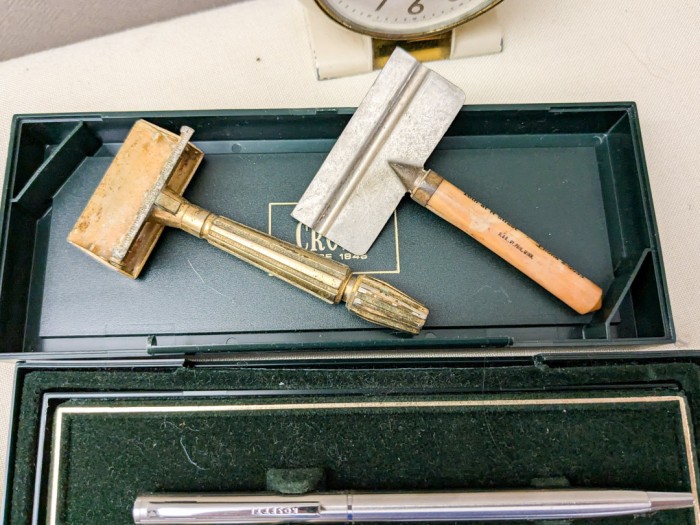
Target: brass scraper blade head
[{"x": 120, "y": 204}]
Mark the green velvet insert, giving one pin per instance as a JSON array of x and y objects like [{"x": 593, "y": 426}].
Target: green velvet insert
[
  {"x": 107, "y": 459},
  {"x": 437, "y": 448}
]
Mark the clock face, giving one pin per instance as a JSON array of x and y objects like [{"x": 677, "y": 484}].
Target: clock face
[{"x": 403, "y": 19}]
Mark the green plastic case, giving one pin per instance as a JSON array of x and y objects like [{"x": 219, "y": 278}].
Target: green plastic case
[{"x": 572, "y": 176}]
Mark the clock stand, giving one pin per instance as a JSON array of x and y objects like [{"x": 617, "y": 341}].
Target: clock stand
[{"x": 340, "y": 52}]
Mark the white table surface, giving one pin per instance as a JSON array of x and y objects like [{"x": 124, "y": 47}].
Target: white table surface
[{"x": 255, "y": 54}]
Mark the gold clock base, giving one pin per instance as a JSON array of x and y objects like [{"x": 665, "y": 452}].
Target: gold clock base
[{"x": 435, "y": 48}]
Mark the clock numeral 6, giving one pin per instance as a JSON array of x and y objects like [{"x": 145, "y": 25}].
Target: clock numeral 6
[{"x": 416, "y": 8}]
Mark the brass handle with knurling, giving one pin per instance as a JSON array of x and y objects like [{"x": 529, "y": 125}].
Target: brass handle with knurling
[
  {"x": 329, "y": 280},
  {"x": 380, "y": 303}
]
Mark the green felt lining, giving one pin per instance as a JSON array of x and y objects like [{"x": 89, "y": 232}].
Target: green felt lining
[
  {"x": 363, "y": 449},
  {"x": 629, "y": 445}
]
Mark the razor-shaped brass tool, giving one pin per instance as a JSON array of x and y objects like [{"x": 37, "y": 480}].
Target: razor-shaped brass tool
[
  {"x": 141, "y": 193},
  {"x": 396, "y": 127}
]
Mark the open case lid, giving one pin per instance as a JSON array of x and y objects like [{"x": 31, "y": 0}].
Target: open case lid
[{"x": 572, "y": 176}]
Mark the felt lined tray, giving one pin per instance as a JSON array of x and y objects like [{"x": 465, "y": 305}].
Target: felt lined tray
[
  {"x": 629, "y": 426},
  {"x": 380, "y": 444}
]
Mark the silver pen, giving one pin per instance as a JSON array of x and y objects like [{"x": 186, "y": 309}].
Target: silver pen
[{"x": 178, "y": 509}]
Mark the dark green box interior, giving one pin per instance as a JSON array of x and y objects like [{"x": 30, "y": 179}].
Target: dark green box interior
[
  {"x": 571, "y": 176},
  {"x": 107, "y": 459}
]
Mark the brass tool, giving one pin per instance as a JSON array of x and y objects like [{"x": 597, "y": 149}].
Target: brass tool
[{"x": 141, "y": 193}]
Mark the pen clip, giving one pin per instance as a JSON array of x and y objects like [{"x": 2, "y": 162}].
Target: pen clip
[{"x": 243, "y": 512}]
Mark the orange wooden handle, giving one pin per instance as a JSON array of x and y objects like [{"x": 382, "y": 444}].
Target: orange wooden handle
[{"x": 553, "y": 274}]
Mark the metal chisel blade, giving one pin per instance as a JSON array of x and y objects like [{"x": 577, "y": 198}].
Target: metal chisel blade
[{"x": 402, "y": 118}]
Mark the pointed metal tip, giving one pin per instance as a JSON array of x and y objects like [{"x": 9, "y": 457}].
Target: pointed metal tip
[
  {"x": 409, "y": 175},
  {"x": 399, "y": 168},
  {"x": 670, "y": 500}
]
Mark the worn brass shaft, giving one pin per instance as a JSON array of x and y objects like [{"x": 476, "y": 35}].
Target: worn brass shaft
[{"x": 329, "y": 280}]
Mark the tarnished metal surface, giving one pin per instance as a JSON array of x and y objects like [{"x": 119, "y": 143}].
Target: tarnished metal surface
[
  {"x": 119, "y": 197},
  {"x": 381, "y": 303},
  {"x": 119, "y": 251},
  {"x": 402, "y": 118}
]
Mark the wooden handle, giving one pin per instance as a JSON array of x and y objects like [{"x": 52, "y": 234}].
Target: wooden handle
[{"x": 550, "y": 272}]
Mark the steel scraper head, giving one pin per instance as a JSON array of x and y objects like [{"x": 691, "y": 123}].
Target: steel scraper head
[{"x": 402, "y": 118}]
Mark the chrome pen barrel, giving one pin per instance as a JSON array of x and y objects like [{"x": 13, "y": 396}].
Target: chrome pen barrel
[
  {"x": 181, "y": 509},
  {"x": 499, "y": 505}
]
